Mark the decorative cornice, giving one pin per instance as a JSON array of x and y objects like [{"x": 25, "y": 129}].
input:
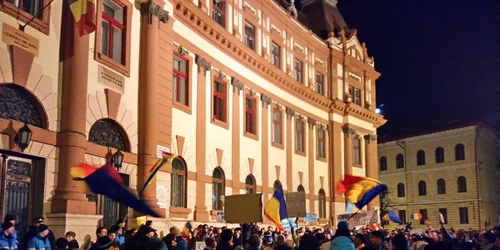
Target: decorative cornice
[
  {"x": 370, "y": 137},
  {"x": 265, "y": 99},
  {"x": 251, "y": 92},
  {"x": 202, "y": 62},
  {"x": 221, "y": 75},
  {"x": 181, "y": 50},
  {"x": 237, "y": 84},
  {"x": 277, "y": 106},
  {"x": 349, "y": 130},
  {"x": 151, "y": 9},
  {"x": 299, "y": 117},
  {"x": 311, "y": 121},
  {"x": 290, "y": 112}
]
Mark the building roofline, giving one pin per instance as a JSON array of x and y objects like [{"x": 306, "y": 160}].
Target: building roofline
[{"x": 432, "y": 131}]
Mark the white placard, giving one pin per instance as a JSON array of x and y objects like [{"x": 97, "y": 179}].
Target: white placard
[
  {"x": 160, "y": 149},
  {"x": 161, "y": 196}
]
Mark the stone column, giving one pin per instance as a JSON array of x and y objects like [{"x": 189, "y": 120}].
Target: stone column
[
  {"x": 151, "y": 15},
  {"x": 72, "y": 139},
  {"x": 200, "y": 209},
  {"x": 237, "y": 89},
  {"x": 348, "y": 150},
  {"x": 311, "y": 156},
  {"x": 266, "y": 101},
  {"x": 371, "y": 164}
]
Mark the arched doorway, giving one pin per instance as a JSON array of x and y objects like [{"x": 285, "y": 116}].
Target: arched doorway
[
  {"x": 17, "y": 104},
  {"x": 108, "y": 133}
]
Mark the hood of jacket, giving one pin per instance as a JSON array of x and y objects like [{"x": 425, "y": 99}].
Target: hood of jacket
[{"x": 342, "y": 243}]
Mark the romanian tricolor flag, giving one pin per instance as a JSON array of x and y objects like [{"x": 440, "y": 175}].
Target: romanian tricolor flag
[
  {"x": 360, "y": 190},
  {"x": 167, "y": 157},
  {"x": 186, "y": 231},
  {"x": 275, "y": 209},
  {"x": 85, "y": 16}
]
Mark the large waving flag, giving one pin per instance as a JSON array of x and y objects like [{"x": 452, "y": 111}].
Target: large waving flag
[
  {"x": 394, "y": 217},
  {"x": 186, "y": 231},
  {"x": 360, "y": 190},
  {"x": 84, "y": 14},
  {"x": 107, "y": 181},
  {"x": 275, "y": 209}
]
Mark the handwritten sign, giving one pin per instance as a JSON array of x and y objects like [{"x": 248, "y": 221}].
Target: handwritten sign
[
  {"x": 110, "y": 78},
  {"x": 361, "y": 218},
  {"x": 15, "y": 37}
]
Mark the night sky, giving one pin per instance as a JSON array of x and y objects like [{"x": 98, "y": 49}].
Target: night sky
[{"x": 438, "y": 60}]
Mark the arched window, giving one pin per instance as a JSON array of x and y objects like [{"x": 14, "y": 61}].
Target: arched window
[
  {"x": 277, "y": 184},
  {"x": 217, "y": 189},
  {"x": 422, "y": 188},
  {"x": 401, "y": 190},
  {"x": 108, "y": 133},
  {"x": 400, "y": 161},
  {"x": 178, "y": 183},
  {"x": 383, "y": 163},
  {"x": 300, "y": 188},
  {"x": 250, "y": 186},
  {"x": 459, "y": 152},
  {"x": 322, "y": 203},
  {"x": 439, "y": 155},
  {"x": 420, "y": 157},
  {"x": 462, "y": 184},
  {"x": 441, "y": 183},
  {"x": 17, "y": 104}
]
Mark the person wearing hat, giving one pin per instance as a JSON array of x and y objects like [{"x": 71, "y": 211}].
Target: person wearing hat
[
  {"x": 145, "y": 240},
  {"x": 12, "y": 219},
  {"x": 33, "y": 231},
  {"x": 7, "y": 240},
  {"x": 342, "y": 238},
  {"x": 61, "y": 244},
  {"x": 40, "y": 241}
]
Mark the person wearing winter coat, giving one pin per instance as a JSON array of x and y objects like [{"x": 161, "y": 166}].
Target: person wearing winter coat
[
  {"x": 7, "y": 240},
  {"x": 33, "y": 231},
  {"x": 342, "y": 238},
  {"x": 40, "y": 241}
]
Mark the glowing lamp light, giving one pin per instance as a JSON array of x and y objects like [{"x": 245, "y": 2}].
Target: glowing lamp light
[{"x": 378, "y": 111}]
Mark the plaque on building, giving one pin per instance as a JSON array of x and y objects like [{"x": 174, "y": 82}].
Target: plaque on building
[
  {"x": 110, "y": 78},
  {"x": 15, "y": 37}
]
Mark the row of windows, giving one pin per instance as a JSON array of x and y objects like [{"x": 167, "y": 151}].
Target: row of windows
[
  {"x": 220, "y": 106},
  {"x": 439, "y": 153},
  {"x": 178, "y": 187},
  {"x": 463, "y": 213},
  {"x": 441, "y": 187},
  {"x": 218, "y": 14}
]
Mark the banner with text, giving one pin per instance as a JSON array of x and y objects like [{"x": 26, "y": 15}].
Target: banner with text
[{"x": 361, "y": 218}]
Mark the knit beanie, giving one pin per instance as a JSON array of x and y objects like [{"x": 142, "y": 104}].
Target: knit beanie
[
  {"x": 6, "y": 225},
  {"x": 343, "y": 225}
]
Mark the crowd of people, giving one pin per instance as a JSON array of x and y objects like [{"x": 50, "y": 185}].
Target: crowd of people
[{"x": 250, "y": 237}]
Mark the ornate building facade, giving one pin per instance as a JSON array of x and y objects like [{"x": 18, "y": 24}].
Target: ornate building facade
[
  {"x": 247, "y": 93},
  {"x": 453, "y": 171}
]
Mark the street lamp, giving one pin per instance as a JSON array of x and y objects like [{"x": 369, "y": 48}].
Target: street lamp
[
  {"x": 24, "y": 137},
  {"x": 118, "y": 159}
]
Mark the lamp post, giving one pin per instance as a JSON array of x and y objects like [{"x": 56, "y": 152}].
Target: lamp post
[
  {"x": 118, "y": 159},
  {"x": 24, "y": 137}
]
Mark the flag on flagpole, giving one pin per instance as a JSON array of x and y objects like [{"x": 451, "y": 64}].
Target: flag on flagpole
[
  {"x": 360, "y": 190},
  {"x": 84, "y": 14},
  {"x": 167, "y": 157},
  {"x": 275, "y": 209},
  {"x": 186, "y": 231}
]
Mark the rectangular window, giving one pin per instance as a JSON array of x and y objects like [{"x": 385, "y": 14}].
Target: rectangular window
[
  {"x": 321, "y": 143},
  {"x": 276, "y": 55},
  {"x": 320, "y": 84},
  {"x": 249, "y": 35},
  {"x": 299, "y": 136},
  {"x": 219, "y": 11},
  {"x": 402, "y": 215},
  {"x": 356, "y": 143},
  {"x": 355, "y": 94},
  {"x": 113, "y": 30},
  {"x": 32, "y": 7},
  {"x": 250, "y": 115},
  {"x": 298, "y": 71},
  {"x": 180, "y": 81},
  {"x": 277, "y": 126},
  {"x": 423, "y": 212},
  {"x": 464, "y": 215},
  {"x": 219, "y": 95},
  {"x": 444, "y": 212}
]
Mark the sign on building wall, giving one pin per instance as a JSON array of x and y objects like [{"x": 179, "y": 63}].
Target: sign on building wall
[
  {"x": 15, "y": 37},
  {"x": 109, "y": 78},
  {"x": 161, "y": 196},
  {"x": 160, "y": 149}
]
